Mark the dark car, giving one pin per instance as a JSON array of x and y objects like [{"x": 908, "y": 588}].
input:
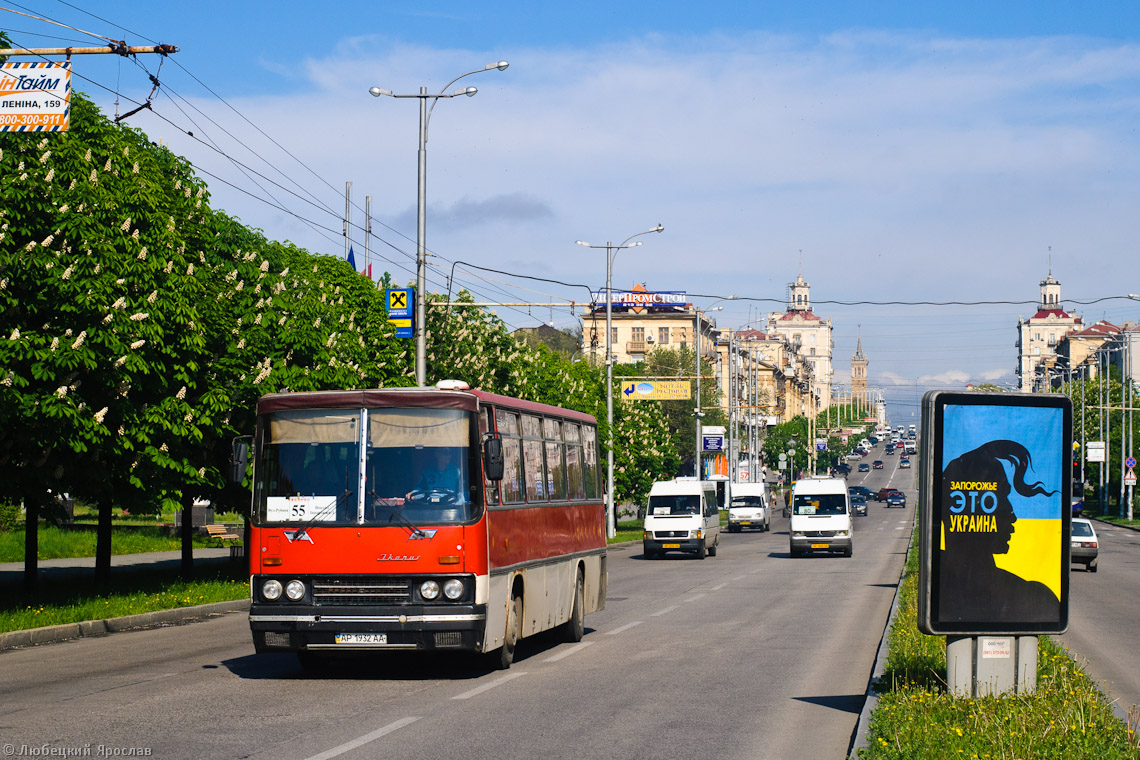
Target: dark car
[
  {"x": 896, "y": 499},
  {"x": 859, "y": 504},
  {"x": 883, "y": 493},
  {"x": 890, "y": 449},
  {"x": 843, "y": 468},
  {"x": 877, "y": 464},
  {"x": 863, "y": 491},
  {"x": 864, "y": 467}
]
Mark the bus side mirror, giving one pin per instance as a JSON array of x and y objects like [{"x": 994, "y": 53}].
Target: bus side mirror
[
  {"x": 493, "y": 456},
  {"x": 239, "y": 461}
]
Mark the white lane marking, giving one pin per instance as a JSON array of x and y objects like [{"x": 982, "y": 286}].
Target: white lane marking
[
  {"x": 497, "y": 682},
  {"x": 900, "y": 528},
  {"x": 739, "y": 578},
  {"x": 664, "y": 611},
  {"x": 695, "y": 598},
  {"x": 757, "y": 570},
  {"x": 625, "y": 627},
  {"x": 718, "y": 588},
  {"x": 566, "y": 653},
  {"x": 359, "y": 741}
]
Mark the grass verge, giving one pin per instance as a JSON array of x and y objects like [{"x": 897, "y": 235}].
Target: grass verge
[
  {"x": 1068, "y": 718},
  {"x": 129, "y": 593},
  {"x": 57, "y": 543}
]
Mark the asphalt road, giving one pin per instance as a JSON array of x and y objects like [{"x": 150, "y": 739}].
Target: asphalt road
[
  {"x": 749, "y": 654},
  {"x": 1103, "y": 615}
]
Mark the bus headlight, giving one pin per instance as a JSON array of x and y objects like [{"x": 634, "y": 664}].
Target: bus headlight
[
  {"x": 271, "y": 590},
  {"x": 453, "y": 589},
  {"x": 695, "y": 534},
  {"x": 295, "y": 590},
  {"x": 429, "y": 590}
]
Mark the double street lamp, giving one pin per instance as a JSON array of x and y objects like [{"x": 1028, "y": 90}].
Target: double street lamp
[
  {"x": 611, "y": 253},
  {"x": 421, "y": 203}
]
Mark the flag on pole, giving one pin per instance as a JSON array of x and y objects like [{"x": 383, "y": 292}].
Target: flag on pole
[
  {"x": 368, "y": 272},
  {"x": 351, "y": 259}
]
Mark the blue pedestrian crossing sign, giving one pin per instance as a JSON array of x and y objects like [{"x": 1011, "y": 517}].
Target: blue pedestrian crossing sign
[{"x": 401, "y": 302}]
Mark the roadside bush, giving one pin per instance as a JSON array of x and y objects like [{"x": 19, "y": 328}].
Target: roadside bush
[{"x": 9, "y": 517}]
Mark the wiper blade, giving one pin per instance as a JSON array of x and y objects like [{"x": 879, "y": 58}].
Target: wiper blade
[
  {"x": 303, "y": 530},
  {"x": 417, "y": 531}
]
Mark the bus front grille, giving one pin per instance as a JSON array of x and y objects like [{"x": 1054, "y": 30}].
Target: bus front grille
[{"x": 340, "y": 592}]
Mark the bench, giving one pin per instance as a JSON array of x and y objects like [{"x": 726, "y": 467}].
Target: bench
[{"x": 222, "y": 532}]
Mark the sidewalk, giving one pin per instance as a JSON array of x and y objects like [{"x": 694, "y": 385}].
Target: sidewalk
[
  {"x": 61, "y": 569},
  {"x": 58, "y": 569}
]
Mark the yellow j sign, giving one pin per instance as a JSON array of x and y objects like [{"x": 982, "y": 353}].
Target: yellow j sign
[{"x": 656, "y": 390}]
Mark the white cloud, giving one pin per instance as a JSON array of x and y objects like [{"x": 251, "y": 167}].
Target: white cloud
[{"x": 906, "y": 167}]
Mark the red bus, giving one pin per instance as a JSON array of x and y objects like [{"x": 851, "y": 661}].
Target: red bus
[{"x": 426, "y": 519}]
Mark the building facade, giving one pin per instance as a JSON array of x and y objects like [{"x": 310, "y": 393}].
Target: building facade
[
  {"x": 1039, "y": 336},
  {"x": 808, "y": 336}
]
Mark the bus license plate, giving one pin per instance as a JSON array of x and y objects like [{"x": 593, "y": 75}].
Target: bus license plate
[
  {"x": 362, "y": 638},
  {"x": 670, "y": 546},
  {"x": 745, "y": 522},
  {"x": 819, "y": 546}
]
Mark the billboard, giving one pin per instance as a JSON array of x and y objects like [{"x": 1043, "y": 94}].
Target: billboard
[
  {"x": 656, "y": 390},
  {"x": 993, "y": 510},
  {"x": 35, "y": 96}
]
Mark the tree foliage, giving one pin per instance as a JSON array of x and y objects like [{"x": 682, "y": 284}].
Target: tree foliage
[{"x": 139, "y": 326}]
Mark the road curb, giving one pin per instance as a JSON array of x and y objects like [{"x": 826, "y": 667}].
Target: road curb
[
  {"x": 53, "y": 633},
  {"x": 859, "y": 740},
  {"x": 1132, "y": 528}
]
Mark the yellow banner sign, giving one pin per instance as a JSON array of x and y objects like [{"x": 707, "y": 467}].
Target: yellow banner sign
[{"x": 656, "y": 390}]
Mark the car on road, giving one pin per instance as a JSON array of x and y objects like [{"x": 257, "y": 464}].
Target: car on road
[
  {"x": 859, "y": 503},
  {"x": 749, "y": 507},
  {"x": 896, "y": 499},
  {"x": 843, "y": 468},
  {"x": 863, "y": 491},
  {"x": 883, "y": 493},
  {"x": 864, "y": 467},
  {"x": 821, "y": 517},
  {"x": 854, "y": 455},
  {"x": 1083, "y": 542},
  {"x": 877, "y": 464},
  {"x": 890, "y": 448},
  {"x": 904, "y": 463}
]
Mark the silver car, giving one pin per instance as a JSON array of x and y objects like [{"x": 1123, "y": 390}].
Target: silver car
[{"x": 1083, "y": 544}]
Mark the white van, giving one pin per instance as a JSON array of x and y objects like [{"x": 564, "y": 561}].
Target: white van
[
  {"x": 748, "y": 507},
  {"x": 682, "y": 516},
  {"x": 821, "y": 517}
]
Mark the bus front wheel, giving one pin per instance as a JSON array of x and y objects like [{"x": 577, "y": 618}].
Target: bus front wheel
[{"x": 506, "y": 654}]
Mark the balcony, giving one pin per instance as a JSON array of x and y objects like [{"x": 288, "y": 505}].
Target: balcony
[{"x": 635, "y": 347}]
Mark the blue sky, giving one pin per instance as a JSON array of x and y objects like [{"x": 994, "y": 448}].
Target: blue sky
[{"x": 900, "y": 151}]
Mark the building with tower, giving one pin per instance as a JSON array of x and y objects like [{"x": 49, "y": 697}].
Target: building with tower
[
  {"x": 809, "y": 337},
  {"x": 859, "y": 373},
  {"x": 1039, "y": 336}
]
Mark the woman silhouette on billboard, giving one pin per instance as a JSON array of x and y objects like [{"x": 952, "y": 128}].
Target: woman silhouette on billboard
[{"x": 972, "y": 588}]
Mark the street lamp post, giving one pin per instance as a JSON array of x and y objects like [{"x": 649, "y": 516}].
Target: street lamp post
[
  {"x": 421, "y": 202},
  {"x": 611, "y": 253}
]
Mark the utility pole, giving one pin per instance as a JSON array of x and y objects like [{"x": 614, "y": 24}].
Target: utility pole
[
  {"x": 117, "y": 48},
  {"x": 367, "y": 236},
  {"x": 347, "y": 214}
]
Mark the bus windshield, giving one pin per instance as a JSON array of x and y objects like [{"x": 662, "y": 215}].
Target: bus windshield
[
  {"x": 417, "y": 467},
  {"x": 680, "y": 504},
  {"x": 748, "y": 501},
  {"x": 820, "y": 504}
]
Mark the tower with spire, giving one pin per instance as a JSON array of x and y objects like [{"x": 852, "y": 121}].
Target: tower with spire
[{"x": 859, "y": 371}]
